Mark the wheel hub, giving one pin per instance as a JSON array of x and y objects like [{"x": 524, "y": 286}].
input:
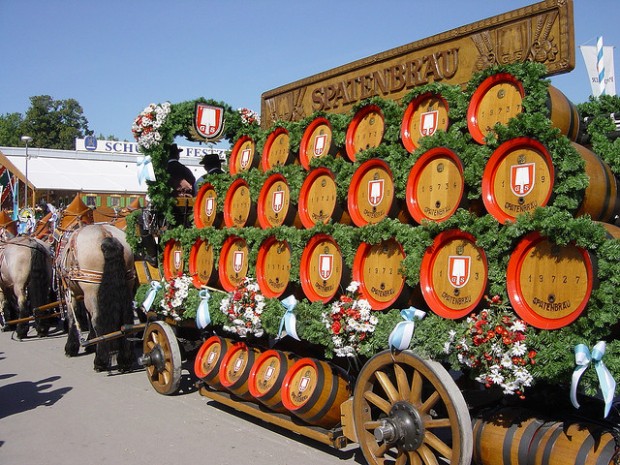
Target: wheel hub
[
  {"x": 403, "y": 427},
  {"x": 155, "y": 358}
]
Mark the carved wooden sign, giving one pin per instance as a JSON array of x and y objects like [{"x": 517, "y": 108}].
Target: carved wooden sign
[{"x": 542, "y": 32}]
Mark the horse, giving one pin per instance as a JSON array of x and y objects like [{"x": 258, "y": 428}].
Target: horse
[
  {"x": 96, "y": 276},
  {"x": 25, "y": 281}
]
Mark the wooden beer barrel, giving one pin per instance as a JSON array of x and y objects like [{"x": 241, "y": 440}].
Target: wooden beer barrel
[
  {"x": 435, "y": 186},
  {"x": 313, "y": 390},
  {"x": 202, "y": 264},
  {"x": 318, "y": 200},
  {"x": 499, "y": 98},
  {"x": 267, "y": 376},
  {"x": 453, "y": 274},
  {"x": 517, "y": 179},
  {"x": 173, "y": 259},
  {"x": 273, "y": 207},
  {"x": 316, "y": 142},
  {"x": 235, "y": 369},
  {"x": 239, "y": 208},
  {"x": 273, "y": 267},
  {"x": 365, "y": 131},
  {"x": 243, "y": 155},
  {"x": 578, "y": 443},
  {"x": 377, "y": 268},
  {"x": 601, "y": 198},
  {"x": 233, "y": 263},
  {"x": 277, "y": 150},
  {"x": 425, "y": 114},
  {"x": 322, "y": 268},
  {"x": 505, "y": 437},
  {"x": 371, "y": 194},
  {"x": 205, "y": 208},
  {"x": 548, "y": 285},
  {"x": 209, "y": 359}
]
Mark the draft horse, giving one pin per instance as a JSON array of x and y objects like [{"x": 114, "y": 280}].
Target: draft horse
[
  {"x": 95, "y": 272},
  {"x": 25, "y": 281}
]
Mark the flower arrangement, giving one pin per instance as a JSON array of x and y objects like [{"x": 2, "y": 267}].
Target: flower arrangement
[
  {"x": 244, "y": 307},
  {"x": 350, "y": 321},
  {"x": 249, "y": 117},
  {"x": 494, "y": 345},
  {"x": 176, "y": 290},
  {"x": 146, "y": 126}
]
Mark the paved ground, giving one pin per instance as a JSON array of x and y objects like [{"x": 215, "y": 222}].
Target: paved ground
[{"x": 55, "y": 410}]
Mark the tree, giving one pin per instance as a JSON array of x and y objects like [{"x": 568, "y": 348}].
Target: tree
[
  {"x": 54, "y": 124},
  {"x": 10, "y": 129}
]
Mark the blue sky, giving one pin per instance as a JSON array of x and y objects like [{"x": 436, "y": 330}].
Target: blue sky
[{"x": 117, "y": 56}]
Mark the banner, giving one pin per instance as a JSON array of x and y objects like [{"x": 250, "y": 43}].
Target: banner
[{"x": 599, "y": 62}]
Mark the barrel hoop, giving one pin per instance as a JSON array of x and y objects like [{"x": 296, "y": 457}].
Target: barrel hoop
[
  {"x": 478, "y": 425},
  {"x": 608, "y": 453},
  {"x": 508, "y": 439},
  {"x": 572, "y": 130},
  {"x": 608, "y": 182},
  {"x": 549, "y": 446},
  {"x": 526, "y": 441},
  {"x": 330, "y": 400},
  {"x": 584, "y": 450}
]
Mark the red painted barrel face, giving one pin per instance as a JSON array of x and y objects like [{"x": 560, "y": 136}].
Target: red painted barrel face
[
  {"x": 365, "y": 131},
  {"x": 235, "y": 369},
  {"x": 202, "y": 264},
  {"x": 371, "y": 192},
  {"x": 205, "y": 207},
  {"x": 425, "y": 115},
  {"x": 517, "y": 179},
  {"x": 316, "y": 142},
  {"x": 173, "y": 259},
  {"x": 276, "y": 151},
  {"x": 233, "y": 263},
  {"x": 238, "y": 205},
  {"x": 273, "y": 267},
  {"x": 209, "y": 359},
  {"x": 321, "y": 268},
  {"x": 273, "y": 202},
  {"x": 243, "y": 155},
  {"x": 548, "y": 285},
  {"x": 454, "y": 274},
  {"x": 435, "y": 186},
  {"x": 267, "y": 376},
  {"x": 317, "y": 198}
]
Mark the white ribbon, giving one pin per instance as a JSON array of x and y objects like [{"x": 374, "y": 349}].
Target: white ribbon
[
  {"x": 203, "y": 317},
  {"x": 401, "y": 335},
  {"x": 289, "y": 320},
  {"x": 145, "y": 169},
  {"x": 606, "y": 381},
  {"x": 150, "y": 297}
]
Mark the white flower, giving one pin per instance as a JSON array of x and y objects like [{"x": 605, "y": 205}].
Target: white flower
[
  {"x": 519, "y": 349},
  {"x": 517, "y": 326}
]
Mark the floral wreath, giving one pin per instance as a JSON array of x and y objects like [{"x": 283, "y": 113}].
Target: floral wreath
[
  {"x": 244, "y": 307},
  {"x": 146, "y": 126}
]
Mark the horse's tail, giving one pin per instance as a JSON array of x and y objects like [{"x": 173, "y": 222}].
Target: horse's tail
[
  {"x": 40, "y": 278},
  {"x": 114, "y": 296}
]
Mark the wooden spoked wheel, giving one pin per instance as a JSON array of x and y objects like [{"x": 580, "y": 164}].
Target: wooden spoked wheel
[
  {"x": 162, "y": 357},
  {"x": 408, "y": 410}
]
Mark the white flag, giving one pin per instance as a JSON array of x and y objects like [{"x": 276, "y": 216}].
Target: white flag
[{"x": 593, "y": 66}]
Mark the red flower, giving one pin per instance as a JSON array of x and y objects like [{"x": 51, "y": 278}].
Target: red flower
[{"x": 336, "y": 327}]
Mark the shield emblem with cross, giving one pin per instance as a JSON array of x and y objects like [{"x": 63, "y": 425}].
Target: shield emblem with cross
[
  {"x": 246, "y": 157},
  {"x": 375, "y": 191},
  {"x": 522, "y": 179},
  {"x": 209, "y": 206},
  {"x": 208, "y": 120},
  {"x": 459, "y": 267},
  {"x": 277, "y": 202},
  {"x": 326, "y": 265},
  {"x": 428, "y": 122},
  {"x": 238, "y": 257},
  {"x": 319, "y": 144}
]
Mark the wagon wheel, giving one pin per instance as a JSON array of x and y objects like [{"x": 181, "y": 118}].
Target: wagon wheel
[
  {"x": 162, "y": 357},
  {"x": 408, "y": 410}
]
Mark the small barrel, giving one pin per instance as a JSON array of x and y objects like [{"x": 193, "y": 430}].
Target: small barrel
[
  {"x": 424, "y": 116},
  {"x": 517, "y": 179},
  {"x": 235, "y": 369},
  {"x": 239, "y": 207},
  {"x": 243, "y": 155},
  {"x": 273, "y": 267},
  {"x": 548, "y": 285},
  {"x": 453, "y": 274},
  {"x": 322, "y": 268},
  {"x": 233, "y": 263},
  {"x": 371, "y": 194},
  {"x": 564, "y": 114},
  {"x": 274, "y": 207},
  {"x": 202, "y": 264},
  {"x": 267, "y": 376},
  {"x": 318, "y": 200},
  {"x": 209, "y": 359},
  {"x": 316, "y": 141},
  {"x": 377, "y": 268},
  {"x": 173, "y": 259},
  {"x": 206, "y": 213},
  {"x": 505, "y": 437},
  {"x": 277, "y": 150},
  {"x": 313, "y": 390},
  {"x": 365, "y": 131},
  {"x": 435, "y": 186},
  {"x": 577, "y": 444}
]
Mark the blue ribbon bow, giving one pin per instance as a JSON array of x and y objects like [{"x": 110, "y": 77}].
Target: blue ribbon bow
[
  {"x": 606, "y": 381},
  {"x": 150, "y": 297},
  {"x": 289, "y": 320},
  {"x": 203, "y": 317},
  {"x": 145, "y": 169},
  {"x": 401, "y": 335}
]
